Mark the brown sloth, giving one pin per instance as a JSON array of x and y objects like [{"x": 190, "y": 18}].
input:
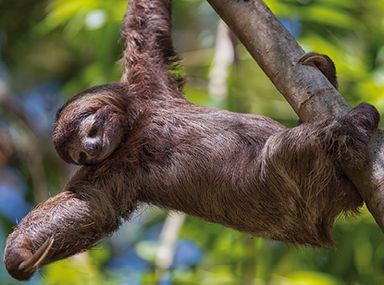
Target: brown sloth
[{"x": 141, "y": 141}]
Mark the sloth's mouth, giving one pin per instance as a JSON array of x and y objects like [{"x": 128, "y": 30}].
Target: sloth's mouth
[{"x": 24, "y": 270}]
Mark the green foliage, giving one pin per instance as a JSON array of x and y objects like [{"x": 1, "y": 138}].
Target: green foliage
[{"x": 77, "y": 43}]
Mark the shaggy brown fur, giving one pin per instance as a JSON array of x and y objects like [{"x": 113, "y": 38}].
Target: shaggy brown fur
[{"x": 244, "y": 171}]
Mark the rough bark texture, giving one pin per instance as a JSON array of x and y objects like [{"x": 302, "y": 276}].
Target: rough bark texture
[{"x": 305, "y": 88}]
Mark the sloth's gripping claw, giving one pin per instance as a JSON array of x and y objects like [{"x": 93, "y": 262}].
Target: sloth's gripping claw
[
  {"x": 24, "y": 270},
  {"x": 32, "y": 263},
  {"x": 324, "y": 63}
]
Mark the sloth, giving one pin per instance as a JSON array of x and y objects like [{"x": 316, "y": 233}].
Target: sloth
[
  {"x": 140, "y": 140},
  {"x": 89, "y": 127}
]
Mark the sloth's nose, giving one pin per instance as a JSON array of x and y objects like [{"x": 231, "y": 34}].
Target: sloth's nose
[{"x": 93, "y": 147}]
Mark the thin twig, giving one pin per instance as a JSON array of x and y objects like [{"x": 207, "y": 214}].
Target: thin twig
[
  {"x": 223, "y": 58},
  {"x": 168, "y": 239},
  {"x": 34, "y": 158}
]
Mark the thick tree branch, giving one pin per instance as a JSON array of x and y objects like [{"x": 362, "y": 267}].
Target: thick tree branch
[{"x": 305, "y": 88}]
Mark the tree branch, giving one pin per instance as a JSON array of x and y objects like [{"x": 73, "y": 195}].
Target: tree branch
[
  {"x": 168, "y": 239},
  {"x": 305, "y": 88},
  {"x": 223, "y": 58},
  {"x": 33, "y": 150}
]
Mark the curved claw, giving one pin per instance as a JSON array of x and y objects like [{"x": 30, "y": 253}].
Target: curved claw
[
  {"x": 324, "y": 63},
  {"x": 33, "y": 262}
]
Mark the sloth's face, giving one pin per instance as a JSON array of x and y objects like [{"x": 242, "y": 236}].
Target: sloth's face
[
  {"x": 97, "y": 137},
  {"x": 90, "y": 127}
]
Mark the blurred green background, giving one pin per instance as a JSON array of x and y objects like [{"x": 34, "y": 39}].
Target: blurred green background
[{"x": 50, "y": 50}]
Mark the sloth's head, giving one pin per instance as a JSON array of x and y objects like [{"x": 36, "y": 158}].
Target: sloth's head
[{"x": 91, "y": 125}]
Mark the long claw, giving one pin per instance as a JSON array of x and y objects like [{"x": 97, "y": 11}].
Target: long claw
[
  {"x": 324, "y": 63},
  {"x": 38, "y": 257}
]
